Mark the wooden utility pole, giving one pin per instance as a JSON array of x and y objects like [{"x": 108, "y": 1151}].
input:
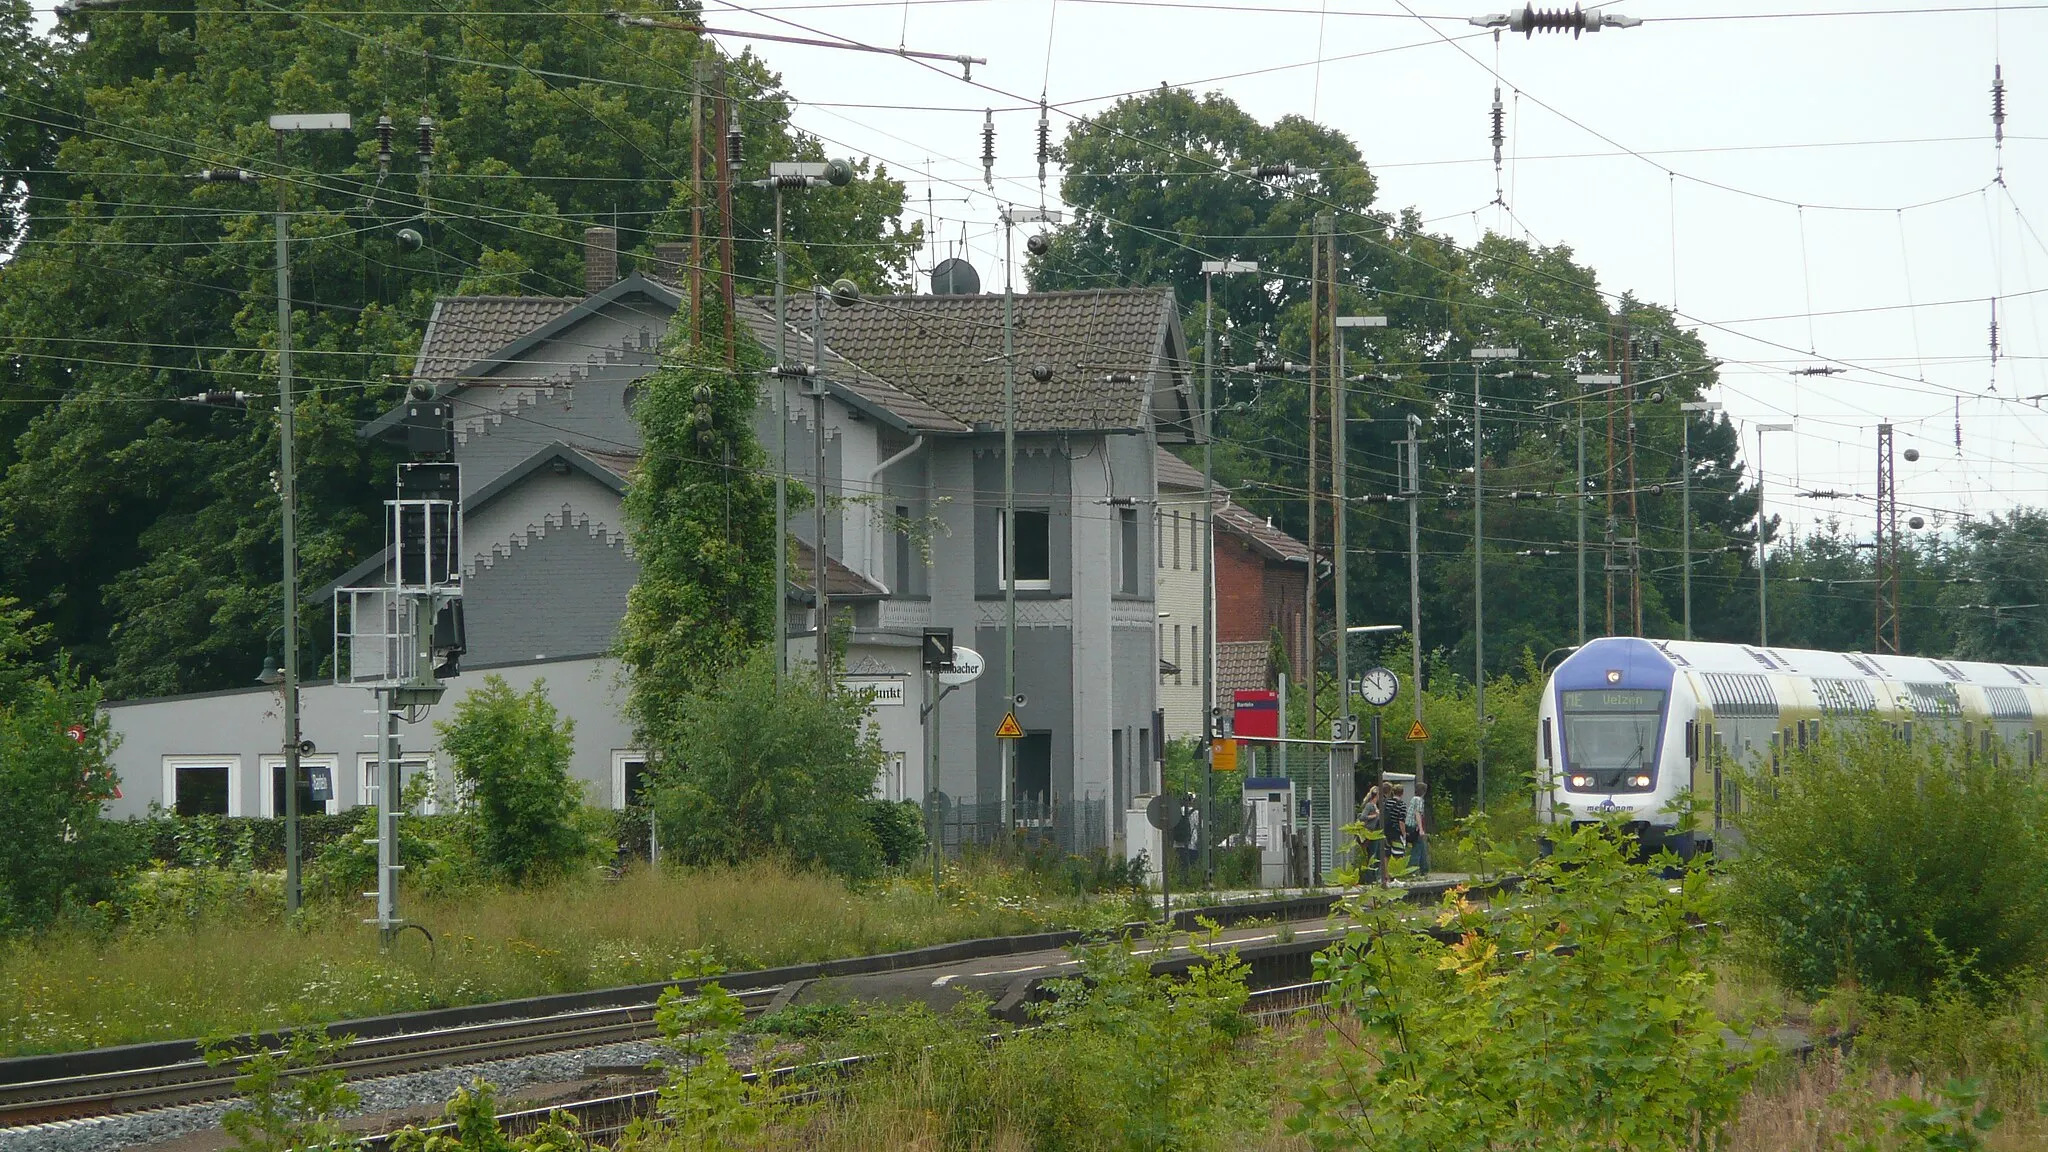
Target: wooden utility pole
[
  {"x": 727, "y": 146},
  {"x": 1635, "y": 520},
  {"x": 1315, "y": 348},
  {"x": 704, "y": 69}
]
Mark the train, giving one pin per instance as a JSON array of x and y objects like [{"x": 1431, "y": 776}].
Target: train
[{"x": 1627, "y": 725}]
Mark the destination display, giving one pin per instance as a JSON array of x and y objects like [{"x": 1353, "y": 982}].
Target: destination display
[{"x": 1614, "y": 700}]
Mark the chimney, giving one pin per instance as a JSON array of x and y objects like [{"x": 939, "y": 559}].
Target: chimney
[
  {"x": 600, "y": 259},
  {"x": 669, "y": 262}
]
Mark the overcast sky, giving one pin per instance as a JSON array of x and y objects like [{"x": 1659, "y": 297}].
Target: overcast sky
[{"x": 1886, "y": 114}]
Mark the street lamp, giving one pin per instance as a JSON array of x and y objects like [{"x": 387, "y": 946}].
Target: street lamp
[
  {"x": 1479, "y": 566},
  {"x": 1685, "y": 476},
  {"x": 282, "y": 125},
  {"x": 1340, "y": 413},
  {"x": 1210, "y": 270},
  {"x": 1763, "y": 592},
  {"x": 794, "y": 174}
]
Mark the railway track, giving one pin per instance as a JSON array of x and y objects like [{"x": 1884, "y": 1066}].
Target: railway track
[
  {"x": 603, "y": 1118},
  {"x": 196, "y": 1082},
  {"x": 108, "y": 1082}
]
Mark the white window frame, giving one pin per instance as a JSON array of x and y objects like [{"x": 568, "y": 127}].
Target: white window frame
[
  {"x": 620, "y": 758},
  {"x": 366, "y": 791},
  {"x": 265, "y": 800},
  {"x": 891, "y": 782},
  {"x": 234, "y": 767},
  {"x": 1174, "y": 520},
  {"x": 1003, "y": 559}
]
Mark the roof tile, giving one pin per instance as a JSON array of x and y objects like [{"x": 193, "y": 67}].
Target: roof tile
[
  {"x": 948, "y": 352},
  {"x": 465, "y": 329}
]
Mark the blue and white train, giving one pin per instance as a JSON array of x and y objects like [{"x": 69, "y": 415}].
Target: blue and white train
[{"x": 1627, "y": 725}]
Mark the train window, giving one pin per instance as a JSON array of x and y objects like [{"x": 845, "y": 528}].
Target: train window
[
  {"x": 1717, "y": 796},
  {"x": 1692, "y": 741},
  {"x": 1549, "y": 753}
]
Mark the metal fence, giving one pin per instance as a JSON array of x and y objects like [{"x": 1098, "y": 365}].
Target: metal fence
[{"x": 1072, "y": 825}]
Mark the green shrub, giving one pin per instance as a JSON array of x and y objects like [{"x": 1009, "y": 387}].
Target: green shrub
[
  {"x": 212, "y": 841},
  {"x": 771, "y": 769},
  {"x": 898, "y": 827},
  {"x": 1892, "y": 866},
  {"x": 1574, "y": 1016},
  {"x": 59, "y": 854},
  {"x": 511, "y": 754}
]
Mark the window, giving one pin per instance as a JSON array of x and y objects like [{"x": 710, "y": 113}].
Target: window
[
  {"x": 201, "y": 785},
  {"x": 1194, "y": 542},
  {"x": 1033, "y": 569},
  {"x": 416, "y": 771},
  {"x": 317, "y": 791},
  {"x": 1176, "y": 538},
  {"x": 904, "y": 554},
  {"x": 1127, "y": 551},
  {"x": 629, "y": 778},
  {"x": 1158, "y": 540},
  {"x": 1195, "y": 650},
  {"x": 1177, "y": 665}
]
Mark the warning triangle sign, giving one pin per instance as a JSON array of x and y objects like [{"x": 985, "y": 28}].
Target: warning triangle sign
[
  {"x": 1417, "y": 732},
  {"x": 1009, "y": 729}
]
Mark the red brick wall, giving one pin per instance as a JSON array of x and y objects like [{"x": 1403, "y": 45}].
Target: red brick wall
[
  {"x": 1240, "y": 592},
  {"x": 1254, "y": 597}
]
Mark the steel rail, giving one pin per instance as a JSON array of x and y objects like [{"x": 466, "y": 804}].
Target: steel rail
[{"x": 195, "y": 1081}]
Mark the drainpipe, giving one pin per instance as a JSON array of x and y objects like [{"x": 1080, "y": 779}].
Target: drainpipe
[{"x": 875, "y": 474}]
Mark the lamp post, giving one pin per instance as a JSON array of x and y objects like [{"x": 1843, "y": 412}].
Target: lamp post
[
  {"x": 792, "y": 174},
  {"x": 1210, "y": 270},
  {"x": 1763, "y": 594},
  {"x": 1012, "y": 216},
  {"x": 282, "y": 125},
  {"x": 1685, "y": 496},
  {"x": 1340, "y": 411},
  {"x": 1479, "y": 569}
]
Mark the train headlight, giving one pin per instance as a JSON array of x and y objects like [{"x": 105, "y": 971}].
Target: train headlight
[
  {"x": 1578, "y": 781},
  {"x": 1641, "y": 781}
]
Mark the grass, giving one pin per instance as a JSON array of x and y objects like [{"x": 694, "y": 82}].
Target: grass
[{"x": 232, "y": 970}]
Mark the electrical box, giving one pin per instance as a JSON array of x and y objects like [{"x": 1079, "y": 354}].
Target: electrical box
[{"x": 1271, "y": 826}]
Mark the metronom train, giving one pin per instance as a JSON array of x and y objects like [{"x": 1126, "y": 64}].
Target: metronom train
[{"x": 1627, "y": 725}]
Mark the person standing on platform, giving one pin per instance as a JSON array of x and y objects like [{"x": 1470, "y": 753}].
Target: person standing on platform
[{"x": 1418, "y": 831}]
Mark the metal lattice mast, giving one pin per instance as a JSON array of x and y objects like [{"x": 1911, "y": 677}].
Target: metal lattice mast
[{"x": 1886, "y": 626}]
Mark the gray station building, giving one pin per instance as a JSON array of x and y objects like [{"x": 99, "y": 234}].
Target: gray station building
[{"x": 543, "y": 392}]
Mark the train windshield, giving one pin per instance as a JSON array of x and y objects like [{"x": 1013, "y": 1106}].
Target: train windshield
[{"x": 1610, "y": 738}]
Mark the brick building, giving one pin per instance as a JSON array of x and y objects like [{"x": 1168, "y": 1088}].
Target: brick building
[
  {"x": 1261, "y": 581},
  {"x": 1261, "y": 596}
]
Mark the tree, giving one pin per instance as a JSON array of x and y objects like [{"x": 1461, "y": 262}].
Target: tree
[
  {"x": 768, "y": 768},
  {"x": 54, "y": 774},
  {"x": 144, "y": 532},
  {"x": 701, "y": 508},
  {"x": 1153, "y": 200},
  {"x": 511, "y": 754}
]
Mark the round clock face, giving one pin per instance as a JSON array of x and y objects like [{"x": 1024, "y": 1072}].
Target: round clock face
[{"x": 1379, "y": 686}]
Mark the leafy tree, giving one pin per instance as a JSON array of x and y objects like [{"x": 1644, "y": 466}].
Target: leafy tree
[
  {"x": 2011, "y": 589},
  {"x": 1575, "y": 1016},
  {"x": 59, "y": 852},
  {"x": 144, "y": 532},
  {"x": 1152, "y": 202},
  {"x": 761, "y": 768},
  {"x": 511, "y": 753},
  {"x": 701, "y": 509},
  {"x": 1895, "y": 866}
]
